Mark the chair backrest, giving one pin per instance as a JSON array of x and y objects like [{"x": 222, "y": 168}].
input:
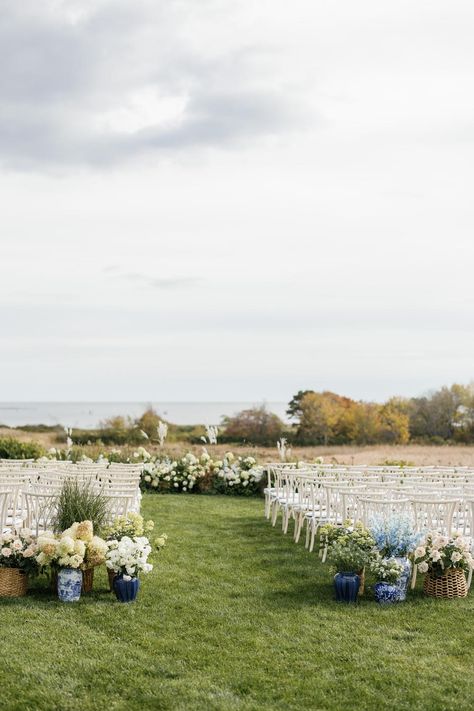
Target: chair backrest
[
  {"x": 384, "y": 507},
  {"x": 41, "y": 507},
  {"x": 434, "y": 514},
  {"x": 118, "y": 504},
  {"x": 5, "y": 495}
]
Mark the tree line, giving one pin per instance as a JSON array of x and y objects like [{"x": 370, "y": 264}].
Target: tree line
[{"x": 326, "y": 418}]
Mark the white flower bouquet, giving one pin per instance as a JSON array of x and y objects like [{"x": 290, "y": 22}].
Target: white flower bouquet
[
  {"x": 385, "y": 570},
  {"x": 76, "y": 547},
  {"x": 438, "y": 553},
  {"x": 129, "y": 556},
  {"x": 130, "y": 524},
  {"x": 18, "y": 551}
]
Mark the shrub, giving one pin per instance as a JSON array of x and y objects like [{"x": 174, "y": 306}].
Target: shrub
[
  {"x": 148, "y": 423},
  {"x": 256, "y": 426},
  {"x": 11, "y": 448}
]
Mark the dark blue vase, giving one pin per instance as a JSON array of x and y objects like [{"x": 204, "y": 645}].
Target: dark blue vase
[
  {"x": 126, "y": 590},
  {"x": 346, "y": 586}
]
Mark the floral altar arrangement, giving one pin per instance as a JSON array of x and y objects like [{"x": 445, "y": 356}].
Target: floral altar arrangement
[
  {"x": 240, "y": 476},
  {"x": 71, "y": 554},
  {"x": 17, "y": 562},
  {"x": 176, "y": 475},
  {"x": 444, "y": 560},
  {"x": 228, "y": 475}
]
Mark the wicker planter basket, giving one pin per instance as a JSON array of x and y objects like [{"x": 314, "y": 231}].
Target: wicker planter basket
[
  {"x": 87, "y": 580},
  {"x": 451, "y": 584},
  {"x": 13, "y": 582}
]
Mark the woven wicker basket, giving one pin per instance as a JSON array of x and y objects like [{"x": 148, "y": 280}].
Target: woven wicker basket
[
  {"x": 13, "y": 582},
  {"x": 451, "y": 584},
  {"x": 87, "y": 580}
]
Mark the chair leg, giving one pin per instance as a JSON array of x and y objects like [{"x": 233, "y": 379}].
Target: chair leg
[
  {"x": 274, "y": 512},
  {"x": 297, "y": 531},
  {"x": 286, "y": 520},
  {"x": 298, "y": 526}
]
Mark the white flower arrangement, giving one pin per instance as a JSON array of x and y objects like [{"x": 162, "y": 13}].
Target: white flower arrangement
[
  {"x": 18, "y": 550},
  {"x": 180, "y": 475},
  {"x": 386, "y": 570},
  {"x": 240, "y": 475},
  {"x": 76, "y": 547},
  {"x": 129, "y": 556},
  {"x": 438, "y": 553}
]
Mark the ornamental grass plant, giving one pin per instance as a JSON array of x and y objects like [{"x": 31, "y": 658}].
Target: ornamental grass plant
[{"x": 80, "y": 501}]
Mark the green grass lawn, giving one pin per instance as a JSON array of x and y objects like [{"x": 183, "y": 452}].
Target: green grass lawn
[{"x": 234, "y": 616}]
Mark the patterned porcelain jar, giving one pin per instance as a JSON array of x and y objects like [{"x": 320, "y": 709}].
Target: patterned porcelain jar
[
  {"x": 386, "y": 593},
  {"x": 404, "y": 579},
  {"x": 69, "y": 584}
]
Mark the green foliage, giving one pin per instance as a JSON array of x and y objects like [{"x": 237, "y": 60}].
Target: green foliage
[
  {"x": 79, "y": 501},
  {"x": 294, "y": 410},
  {"x": 348, "y": 556},
  {"x": 148, "y": 423},
  {"x": 11, "y": 448},
  {"x": 256, "y": 426}
]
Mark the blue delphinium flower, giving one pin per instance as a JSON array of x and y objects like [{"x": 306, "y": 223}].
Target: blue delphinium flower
[{"x": 394, "y": 536}]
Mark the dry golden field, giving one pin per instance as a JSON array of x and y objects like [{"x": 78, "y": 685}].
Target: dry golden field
[{"x": 448, "y": 455}]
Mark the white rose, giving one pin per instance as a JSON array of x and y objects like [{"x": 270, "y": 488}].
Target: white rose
[{"x": 423, "y": 567}]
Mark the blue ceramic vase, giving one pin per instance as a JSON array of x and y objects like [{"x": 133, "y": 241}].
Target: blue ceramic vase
[
  {"x": 346, "y": 586},
  {"x": 386, "y": 593},
  {"x": 126, "y": 590},
  {"x": 69, "y": 584},
  {"x": 404, "y": 579}
]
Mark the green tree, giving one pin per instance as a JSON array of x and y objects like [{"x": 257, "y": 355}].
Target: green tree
[{"x": 256, "y": 425}]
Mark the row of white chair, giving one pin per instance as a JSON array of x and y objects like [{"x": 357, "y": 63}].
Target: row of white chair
[{"x": 314, "y": 499}]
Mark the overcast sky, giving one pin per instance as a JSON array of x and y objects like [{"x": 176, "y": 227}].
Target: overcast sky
[{"x": 232, "y": 200}]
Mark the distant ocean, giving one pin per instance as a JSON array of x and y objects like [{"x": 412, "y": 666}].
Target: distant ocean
[{"x": 89, "y": 414}]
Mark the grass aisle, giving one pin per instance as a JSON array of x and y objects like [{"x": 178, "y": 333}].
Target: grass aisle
[{"x": 234, "y": 616}]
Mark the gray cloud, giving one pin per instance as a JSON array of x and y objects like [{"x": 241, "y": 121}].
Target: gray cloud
[
  {"x": 59, "y": 77},
  {"x": 159, "y": 282}
]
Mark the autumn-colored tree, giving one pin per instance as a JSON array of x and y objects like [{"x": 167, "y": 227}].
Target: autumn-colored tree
[
  {"x": 324, "y": 418},
  {"x": 394, "y": 426}
]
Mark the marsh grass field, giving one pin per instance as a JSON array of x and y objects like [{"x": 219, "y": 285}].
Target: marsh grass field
[
  {"x": 415, "y": 454},
  {"x": 234, "y": 617}
]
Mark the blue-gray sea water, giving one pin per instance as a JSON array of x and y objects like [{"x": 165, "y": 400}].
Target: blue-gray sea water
[{"x": 90, "y": 414}]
